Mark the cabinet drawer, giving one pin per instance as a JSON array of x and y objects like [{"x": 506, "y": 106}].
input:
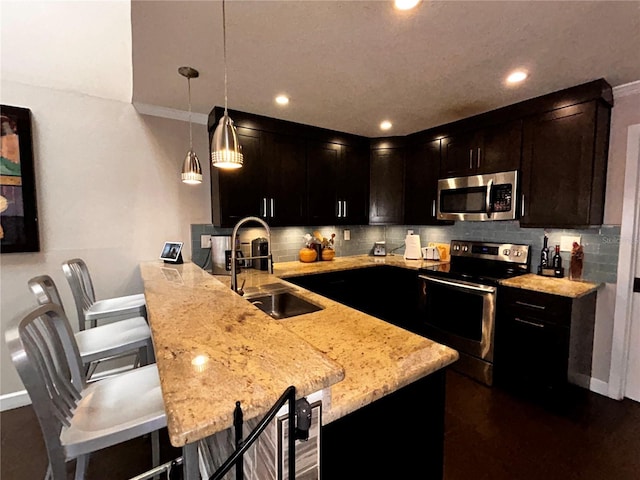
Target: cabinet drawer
[{"x": 535, "y": 305}]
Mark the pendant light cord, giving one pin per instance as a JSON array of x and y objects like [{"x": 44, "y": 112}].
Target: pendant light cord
[
  {"x": 190, "y": 135},
  {"x": 224, "y": 48}
]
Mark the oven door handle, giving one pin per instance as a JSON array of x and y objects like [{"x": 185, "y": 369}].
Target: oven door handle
[{"x": 464, "y": 286}]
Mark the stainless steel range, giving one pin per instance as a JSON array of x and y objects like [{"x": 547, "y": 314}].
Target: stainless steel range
[{"x": 458, "y": 300}]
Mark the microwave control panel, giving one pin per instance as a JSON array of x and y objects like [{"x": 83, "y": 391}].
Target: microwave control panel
[{"x": 501, "y": 197}]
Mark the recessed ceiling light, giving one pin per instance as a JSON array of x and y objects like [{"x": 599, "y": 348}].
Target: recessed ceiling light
[
  {"x": 282, "y": 100},
  {"x": 386, "y": 125},
  {"x": 516, "y": 76},
  {"x": 405, "y": 4}
]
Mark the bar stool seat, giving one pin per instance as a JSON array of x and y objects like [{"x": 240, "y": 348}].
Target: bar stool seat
[{"x": 116, "y": 307}]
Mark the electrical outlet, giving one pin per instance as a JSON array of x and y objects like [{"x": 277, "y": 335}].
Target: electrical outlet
[
  {"x": 346, "y": 234},
  {"x": 409, "y": 232},
  {"x": 566, "y": 242},
  {"x": 205, "y": 241}
]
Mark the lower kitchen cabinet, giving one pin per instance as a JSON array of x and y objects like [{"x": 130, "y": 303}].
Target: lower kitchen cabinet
[
  {"x": 386, "y": 292},
  {"x": 543, "y": 343},
  {"x": 398, "y": 436}
]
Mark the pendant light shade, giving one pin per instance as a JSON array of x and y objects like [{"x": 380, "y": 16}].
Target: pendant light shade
[
  {"x": 226, "y": 152},
  {"x": 191, "y": 169}
]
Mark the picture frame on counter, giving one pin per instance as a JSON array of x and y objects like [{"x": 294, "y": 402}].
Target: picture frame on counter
[{"x": 18, "y": 206}]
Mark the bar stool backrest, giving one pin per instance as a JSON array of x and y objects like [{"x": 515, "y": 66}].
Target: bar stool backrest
[
  {"x": 79, "y": 280},
  {"x": 46, "y": 357},
  {"x": 45, "y": 290}
]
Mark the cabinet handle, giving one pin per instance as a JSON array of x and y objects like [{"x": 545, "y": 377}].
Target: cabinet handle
[
  {"x": 433, "y": 208},
  {"x": 339, "y": 209},
  {"x": 531, "y": 305},
  {"x": 470, "y": 158},
  {"x": 522, "y": 206},
  {"x": 264, "y": 207},
  {"x": 479, "y": 156},
  {"x": 527, "y": 322},
  {"x": 344, "y": 208},
  {"x": 273, "y": 209}
]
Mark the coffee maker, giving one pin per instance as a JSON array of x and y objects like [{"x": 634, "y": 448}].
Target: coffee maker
[{"x": 260, "y": 247}]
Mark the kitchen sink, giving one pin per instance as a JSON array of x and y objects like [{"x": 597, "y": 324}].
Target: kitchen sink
[{"x": 281, "y": 305}]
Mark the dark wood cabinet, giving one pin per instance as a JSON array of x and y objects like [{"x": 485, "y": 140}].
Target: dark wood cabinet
[
  {"x": 285, "y": 199},
  {"x": 239, "y": 193},
  {"x": 421, "y": 183},
  {"x": 386, "y": 204},
  {"x": 565, "y": 165},
  {"x": 543, "y": 343},
  {"x": 494, "y": 148},
  {"x": 337, "y": 183}
]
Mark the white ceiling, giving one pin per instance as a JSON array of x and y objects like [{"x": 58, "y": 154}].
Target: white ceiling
[{"x": 347, "y": 65}]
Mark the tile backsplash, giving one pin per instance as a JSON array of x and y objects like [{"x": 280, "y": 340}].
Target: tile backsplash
[{"x": 600, "y": 244}]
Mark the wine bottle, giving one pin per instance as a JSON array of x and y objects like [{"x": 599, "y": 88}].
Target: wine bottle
[
  {"x": 544, "y": 254},
  {"x": 557, "y": 262}
]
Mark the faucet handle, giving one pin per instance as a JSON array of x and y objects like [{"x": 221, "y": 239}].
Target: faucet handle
[{"x": 241, "y": 289}]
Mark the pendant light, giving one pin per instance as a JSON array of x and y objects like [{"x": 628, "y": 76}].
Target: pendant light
[
  {"x": 226, "y": 152},
  {"x": 191, "y": 170}
]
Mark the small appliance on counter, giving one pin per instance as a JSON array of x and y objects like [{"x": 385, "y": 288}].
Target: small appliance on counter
[
  {"x": 430, "y": 253},
  {"x": 219, "y": 245},
  {"x": 260, "y": 247},
  {"x": 412, "y": 247},
  {"x": 380, "y": 249}
]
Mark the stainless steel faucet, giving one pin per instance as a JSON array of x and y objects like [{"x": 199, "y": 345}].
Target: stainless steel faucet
[{"x": 234, "y": 267}]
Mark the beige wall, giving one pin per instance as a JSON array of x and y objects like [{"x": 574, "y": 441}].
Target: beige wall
[
  {"x": 108, "y": 179},
  {"x": 625, "y": 112}
]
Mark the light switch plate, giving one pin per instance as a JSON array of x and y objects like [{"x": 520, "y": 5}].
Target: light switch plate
[
  {"x": 566, "y": 242},
  {"x": 346, "y": 234},
  {"x": 205, "y": 241}
]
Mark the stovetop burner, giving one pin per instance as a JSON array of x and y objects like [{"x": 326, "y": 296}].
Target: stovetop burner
[{"x": 483, "y": 262}]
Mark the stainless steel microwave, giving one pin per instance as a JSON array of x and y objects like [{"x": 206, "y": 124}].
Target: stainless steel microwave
[{"x": 492, "y": 196}]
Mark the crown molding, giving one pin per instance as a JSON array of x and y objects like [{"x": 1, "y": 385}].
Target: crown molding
[{"x": 627, "y": 89}]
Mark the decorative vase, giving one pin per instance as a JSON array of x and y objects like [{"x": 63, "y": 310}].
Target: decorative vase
[
  {"x": 308, "y": 255},
  {"x": 328, "y": 253}
]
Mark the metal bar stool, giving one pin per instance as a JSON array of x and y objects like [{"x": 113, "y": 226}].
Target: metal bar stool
[
  {"x": 91, "y": 310},
  {"x": 131, "y": 336}
]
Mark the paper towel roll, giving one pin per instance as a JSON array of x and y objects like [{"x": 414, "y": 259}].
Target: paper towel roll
[{"x": 412, "y": 249}]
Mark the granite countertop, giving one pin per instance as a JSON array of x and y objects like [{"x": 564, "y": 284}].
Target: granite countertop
[
  {"x": 555, "y": 286},
  {"x": 353, "y": 357}
]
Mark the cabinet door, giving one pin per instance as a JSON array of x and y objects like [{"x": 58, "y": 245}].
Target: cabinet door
[
  {"x": 354, "y": 185},
  {"x": 323, "y": 162},
  {"x": 557, "y": 164},
  {"x": 458, "y": 155},
  {"x": 421, "y": 183},
  {"x": 387, "y": 186},
  {"x": 286, "y": 201},
  {"x": 500, "y": 148},
  {"x": 240, "y": 191}
]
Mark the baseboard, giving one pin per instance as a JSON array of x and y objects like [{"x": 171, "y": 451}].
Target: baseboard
[
  {"x": 599, "y": 386},
  {"x": 14, "y": 400}
]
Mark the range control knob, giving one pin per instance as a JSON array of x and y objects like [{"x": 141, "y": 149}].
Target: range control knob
[
  {"x": 465, "y": 248},
  {"x": 517, "y": 253},
  {"x": 456, "y": 247},
  {"x": 506, "y": 252}
]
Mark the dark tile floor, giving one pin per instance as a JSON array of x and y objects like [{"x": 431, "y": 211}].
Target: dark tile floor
[{"x": 490, "y": 434}]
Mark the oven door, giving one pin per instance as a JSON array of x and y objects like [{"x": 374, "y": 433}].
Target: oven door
[{"x": 459, "y": 314}]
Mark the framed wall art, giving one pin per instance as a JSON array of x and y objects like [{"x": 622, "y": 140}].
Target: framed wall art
[{"x": 18, "y": 212}]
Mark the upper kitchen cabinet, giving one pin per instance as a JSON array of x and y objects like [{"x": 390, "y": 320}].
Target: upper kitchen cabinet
[
  {"x": 386, "y": 205},
  {"x": 239, "y": 193},
  {"x": 338, "y": 182},
  {"x": 494, "y": 148},
  {"x": 564, "y": 166},
  {"x": 421, "y": 182}
]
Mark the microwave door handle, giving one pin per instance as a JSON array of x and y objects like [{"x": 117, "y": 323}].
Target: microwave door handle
[{"x": 488, "y": 198}]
